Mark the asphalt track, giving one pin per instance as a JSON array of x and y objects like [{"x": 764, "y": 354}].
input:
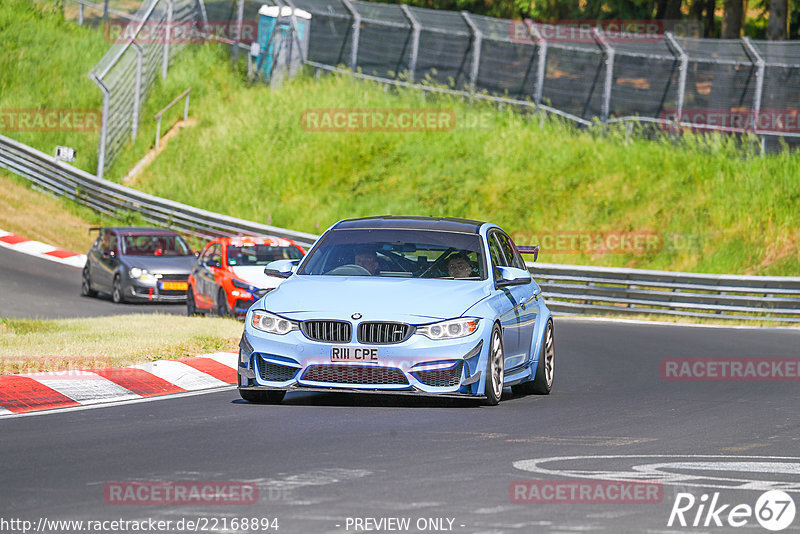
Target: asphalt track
[
  {"x": 32, "y": 287},
  {"x": 319, "y": 459}
]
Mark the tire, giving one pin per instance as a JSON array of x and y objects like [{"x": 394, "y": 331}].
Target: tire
[
  {"x": 222, "y": 304},
  {"x": 262, "y": 397},
  {"x": 116, "y": 293},
  {"x": 543, "y": 380},
  {"x": 191, "y": 307},
  {"x": 495, "y": 368},
  {"x": 86, "y": 284}
]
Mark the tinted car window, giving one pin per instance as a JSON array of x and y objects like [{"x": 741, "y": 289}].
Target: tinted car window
[
  {"x": 261, "y": 254},
  {"x": 155, "y": 245},
  {"x": 513, "y": 258},
  {"x": 497, "y": 255},
  {"x": 394, "y": 253}
]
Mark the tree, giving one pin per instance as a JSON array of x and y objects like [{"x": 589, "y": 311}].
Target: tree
[
  {"x": 733, "y": 18},
  {"x": 778, "y": 25}
]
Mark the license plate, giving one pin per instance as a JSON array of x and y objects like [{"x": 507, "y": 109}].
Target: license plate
[
  {"x": 174, "y": 286},
  {"x": 354, "y": 354}
]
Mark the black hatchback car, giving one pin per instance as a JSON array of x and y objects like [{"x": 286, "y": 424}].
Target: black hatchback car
[{"x": 138, "y": 264}]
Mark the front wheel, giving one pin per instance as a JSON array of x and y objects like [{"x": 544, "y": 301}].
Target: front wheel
[
  {"x": 262, "y": 397},
  {"x": 223, "y": 310},
  {"x": 191, "y": 307},
  {"x": 116, "y": 292},
  {"x": 86, "y": 284},
  {"x": 495, "y": 368}
]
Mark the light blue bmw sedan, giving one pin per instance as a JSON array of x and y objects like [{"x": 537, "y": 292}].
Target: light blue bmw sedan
[{"x": 401, "y": 305}]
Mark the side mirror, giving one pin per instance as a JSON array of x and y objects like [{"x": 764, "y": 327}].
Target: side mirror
[
  {"x": 213, "y": 263},
  {"x": 281, "y": 268},
  {"x": 511, "y": 276}
]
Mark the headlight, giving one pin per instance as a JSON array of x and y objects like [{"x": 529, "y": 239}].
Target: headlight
[
  {"x": 141, "y": 274},
  {"x": 272, "y": 324},
  {"x": 242, "y": 285},
  {"x": 450, "y": 329}
]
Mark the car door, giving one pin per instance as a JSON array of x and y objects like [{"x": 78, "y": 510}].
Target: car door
[
  {"x": 527, "y": 310},
  {"x": 509, "y": 303},
  {"x": 205, "y": 277},
  {"x": 103, "y": 275}
]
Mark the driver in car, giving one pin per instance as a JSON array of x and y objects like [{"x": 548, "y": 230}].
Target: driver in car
[
  {"x": 367, "y": 260},
  {"x": 458, "y": 266}
]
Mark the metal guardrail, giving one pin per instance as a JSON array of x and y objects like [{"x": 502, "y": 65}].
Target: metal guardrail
[
  {"x": 113, "y": 199},
  {"x": 574, "y": 289},
  {"x": 569, "y": 289}
]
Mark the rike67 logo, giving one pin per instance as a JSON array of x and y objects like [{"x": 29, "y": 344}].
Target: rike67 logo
[{"x": 774, "y": 510}]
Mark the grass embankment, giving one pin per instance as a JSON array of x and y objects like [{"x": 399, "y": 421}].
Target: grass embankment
[
  {"x": 33, "y": 345},
  {"x": 711, "y": 207}
]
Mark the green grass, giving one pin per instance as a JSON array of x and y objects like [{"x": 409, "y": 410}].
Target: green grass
[
  {"x": 33, "y": 345},
  {"x": 44, "y": 62},
  {"x": 713, "y": 207}
]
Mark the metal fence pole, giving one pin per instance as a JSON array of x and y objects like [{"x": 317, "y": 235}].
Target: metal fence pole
[
  {"x": 80, "y": 14},
  {"x": 356, "y": 33},
  {"x": 415, "y": 29},
  {"x": 101, "y": 148},
  {"x": 608, "y": 52},
  {"x": 239, "y": 22},
  {"x": 137, "y": 91},
  {"x": 759, "y": 64},
  {"x": 477, "y": 39},
  {"x": 684, "y": 64},
  {"x": 105, "y": 13},
  {"x": 167, "y": 37},
  {"x": 541, "y": 61}
]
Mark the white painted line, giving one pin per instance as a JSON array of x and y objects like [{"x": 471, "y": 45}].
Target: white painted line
[
  {"x": 181, "y": 375},
  {"x": 83, "y": 386},
  {"x": 33, "y": 247},
  {"x": 38, "y": 250},
  {"x": 667, "y": 323},
  {"x": 137, "y": 400},
  {"x": 225, "y": 358},
  {"x": 3, "y": 411}
]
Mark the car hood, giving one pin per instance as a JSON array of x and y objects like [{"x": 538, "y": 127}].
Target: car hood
[
  {"x": 161, "y": 264},
  {"x": 254, "y": 275},
  {"x": 388, "y": 299}
]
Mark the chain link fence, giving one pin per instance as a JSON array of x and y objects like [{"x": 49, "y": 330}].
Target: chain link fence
[
  {"x": 142, "y": 47},
  {"x": 580, "y": 72}
]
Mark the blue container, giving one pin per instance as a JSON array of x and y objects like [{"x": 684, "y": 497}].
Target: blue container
[{"x": 277, "y": 44}]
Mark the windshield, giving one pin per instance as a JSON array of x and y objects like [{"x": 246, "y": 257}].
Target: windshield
[
  {"x": 397, "y": 253},
  {"x": 261, "y": 254},
  {"x": 155, "y": 245}
]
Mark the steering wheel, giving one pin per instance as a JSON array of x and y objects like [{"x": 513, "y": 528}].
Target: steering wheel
[{"x": 350, "y": 269}]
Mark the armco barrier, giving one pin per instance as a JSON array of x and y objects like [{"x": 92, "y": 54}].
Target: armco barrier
[
  {"x": 569, "y": 289},
  {"x": 581, "y": 289},
  {"x": 109, "y": 198}
]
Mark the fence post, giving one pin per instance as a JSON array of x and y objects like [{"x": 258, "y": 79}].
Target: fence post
[
  {"x": 608, "y": 52},
  {"x": 759, "y": 64},
  {"x": 167, "y": 37},
  {"x": 137, "y": 91},
  {"x": 105, "y": 13},
  {"x": 542, "y": 60},
  {"x": 101, "y": 149},
  {"x": 80, "y": 14},
  {"x": 477, "y": 39},
  {"x": 356, "y": 34},
  {"x": 204, "y": 18},
  {"x": 239, "y": 22},
  {"x": 684, "y": 59},
  {"x": 415, "y": 29}
]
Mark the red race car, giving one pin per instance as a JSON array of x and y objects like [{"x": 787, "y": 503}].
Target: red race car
[{"x": 229, "y": 274}]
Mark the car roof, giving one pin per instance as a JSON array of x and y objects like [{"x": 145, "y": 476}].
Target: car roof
[
  {"x": 245, "y": 240},
  {"x": 139, "y": 230},
  {"x": 442, "y": 224}
]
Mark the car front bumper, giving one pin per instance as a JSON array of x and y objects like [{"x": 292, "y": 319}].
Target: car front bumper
[{"x": 417, "y": 366}]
